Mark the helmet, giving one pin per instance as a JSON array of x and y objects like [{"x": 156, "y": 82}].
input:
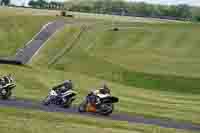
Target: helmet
[
  {"x": 7, "y": 79},
  {"x": 68, "y": 84},
  {"x": 2, "y": 81},
  {"x": 104, "y": 89},
  {"x": 105, "y": 86}
]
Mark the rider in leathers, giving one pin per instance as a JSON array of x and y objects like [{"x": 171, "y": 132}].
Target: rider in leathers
[
  {"x": 5, "y": 80},
  {"x": 92, "y": 96},
  {"x": 62, "y": 88}
]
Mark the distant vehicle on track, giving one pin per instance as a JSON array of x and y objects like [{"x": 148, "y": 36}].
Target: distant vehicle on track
[{"x": 7, "y": 84}]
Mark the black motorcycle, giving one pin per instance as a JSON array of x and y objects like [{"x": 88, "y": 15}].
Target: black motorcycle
[
  {"x": 6, "y": 89},
  {"x": 100, "y": 104},
  {"x": 65, "y": 100}
]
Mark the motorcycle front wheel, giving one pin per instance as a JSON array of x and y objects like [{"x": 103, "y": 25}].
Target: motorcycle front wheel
[
  {"x": 68, "y": 103},
  {"x": 82, "y": 107},
  {"x": 47, "y": 101},
  {"x": 106, "y": 109}
]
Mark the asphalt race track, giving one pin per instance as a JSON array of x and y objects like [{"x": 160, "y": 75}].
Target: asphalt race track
[{"x": 24, "y": 55}]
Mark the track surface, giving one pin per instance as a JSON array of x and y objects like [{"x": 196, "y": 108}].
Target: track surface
[
  {"x": 25, "y": 54},
  {"x": 27, "y": 104}
]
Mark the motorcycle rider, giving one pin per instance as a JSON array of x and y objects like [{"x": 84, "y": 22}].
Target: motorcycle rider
[
  {"x": 2, "y": 82},
  {"x": 103, "y": 90},
  {"x": 6, "y": 80},
  {"x": 62, "y": 88},
  {"x": 92, "y": 96}
]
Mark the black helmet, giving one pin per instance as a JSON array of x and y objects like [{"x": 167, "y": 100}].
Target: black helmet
[
  {"x": 105, "y": 86},
  {"x": 2, "y": 80},
  {"x": 105, "y": 89},
  {"x": 68, "y": 84}
]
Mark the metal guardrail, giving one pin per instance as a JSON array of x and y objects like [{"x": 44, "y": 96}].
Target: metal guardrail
[{"x": 10, "y": 62}]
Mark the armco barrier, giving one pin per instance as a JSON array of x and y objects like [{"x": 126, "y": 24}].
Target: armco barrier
[{"x": 10, "y": 62}]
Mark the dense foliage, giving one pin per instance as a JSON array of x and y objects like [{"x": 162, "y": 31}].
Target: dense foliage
[
  {"x": 4, "y": 2},
  {"x": 45, "y": 4},
  {"x": 119, "y": 7}
]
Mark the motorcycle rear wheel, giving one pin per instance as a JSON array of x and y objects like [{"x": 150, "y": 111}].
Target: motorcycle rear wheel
[
  {"x": 82, "y": 107},
  {"x": 107, "y": 110},
  {"x": 68, "y": 103}
]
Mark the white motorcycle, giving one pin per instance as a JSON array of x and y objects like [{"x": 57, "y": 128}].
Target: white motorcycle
[
  {"x": 6, "y": 89},
  {"x": 65, "y": 100}
]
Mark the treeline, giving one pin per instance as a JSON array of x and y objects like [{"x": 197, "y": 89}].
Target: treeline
[
  {"x": 140, "y": 9},
  {"x": 46, "y": 5},
  {"x": 4, "y": 2}
]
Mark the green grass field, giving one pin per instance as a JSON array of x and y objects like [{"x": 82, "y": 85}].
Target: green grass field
[
  {"x": 151, "y": 67},
  {"x": 23, "y": 121},
  {"x": 11, "y": 11},
  {"x": 136, "y": 101},
  {"x": 148, "y": 48}
]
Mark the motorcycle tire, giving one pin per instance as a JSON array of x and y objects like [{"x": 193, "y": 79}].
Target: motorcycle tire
[
  {"x": 107, "y": 112},
  {"x": 68, "y": 103},
  {"x": 46, "y": 101},
  {"x": 82, "y": 107}
]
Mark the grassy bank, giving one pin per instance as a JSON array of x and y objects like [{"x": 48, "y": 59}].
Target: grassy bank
[
  {"x": 36, "y": 82},
  {"x": 153, "y": 67},
  {"x": 23, "y": 121}
]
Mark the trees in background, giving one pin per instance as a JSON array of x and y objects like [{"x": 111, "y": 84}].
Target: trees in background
[
  {"x": 4, "y": 2},
  {"x": 45, "y": 4},
  {"x": 120, "y": 7},
  {"x": 55, "y": 5},
  {"x": 33, "y": 3},
  {"x": 195, "y": 14}
]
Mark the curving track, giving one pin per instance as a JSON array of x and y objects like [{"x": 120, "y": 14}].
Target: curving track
[
  {"x": 27, "y": 104},
  {"x": 25, "y": 54}
]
